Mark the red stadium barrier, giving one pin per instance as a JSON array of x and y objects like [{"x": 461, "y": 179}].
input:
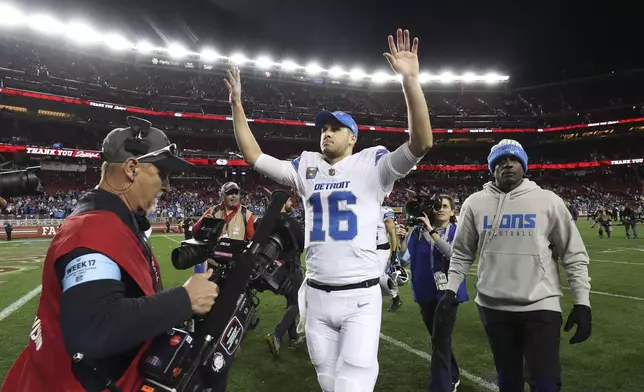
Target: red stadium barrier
[
  {"x": 215, "y": 117},
  {"x": 21, "y": 232},
  {"x": 65, "y": 152},
  {"x": 25, "y": 232}
]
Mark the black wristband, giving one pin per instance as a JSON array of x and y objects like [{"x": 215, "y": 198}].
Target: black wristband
[{"x": 432, "y": 232}]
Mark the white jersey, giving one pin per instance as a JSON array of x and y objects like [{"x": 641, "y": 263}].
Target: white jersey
[
  {"x": 342, "y": 211},
  {"x": 382, "y": 235}
]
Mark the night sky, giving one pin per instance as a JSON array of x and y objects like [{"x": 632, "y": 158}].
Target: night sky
[{"x": 533, "y": 42}]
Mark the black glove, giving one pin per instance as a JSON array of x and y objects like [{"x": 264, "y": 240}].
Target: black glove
[
  {"x": 581, "y": 316},
  {"x": 444, "y": 317},
  {"x": 446, "y": 308},
  {"x": 393, "y": 259}
]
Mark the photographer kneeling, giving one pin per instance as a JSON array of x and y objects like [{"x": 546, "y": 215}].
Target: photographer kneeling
[
  {"x": 428, "y": 249},
  {"x": 292, "y": 259},
  {"x": 102, "y": 300}
]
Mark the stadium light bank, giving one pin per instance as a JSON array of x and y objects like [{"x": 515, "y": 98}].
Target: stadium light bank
[{"x": 83, "y": 34}]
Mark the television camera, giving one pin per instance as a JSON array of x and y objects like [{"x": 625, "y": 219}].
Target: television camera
[
  {"x": 193, "y": 358},
  {"x": 20, "y": 182},
  {"x": 423, "y": 204}
]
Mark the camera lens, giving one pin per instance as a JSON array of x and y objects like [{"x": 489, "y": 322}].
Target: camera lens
[
  {"x": 185, "y": 257},
  {"x": 18, "y": 183}
]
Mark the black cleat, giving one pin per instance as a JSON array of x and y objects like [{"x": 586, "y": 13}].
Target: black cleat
[{"x": 397, "y": 303}]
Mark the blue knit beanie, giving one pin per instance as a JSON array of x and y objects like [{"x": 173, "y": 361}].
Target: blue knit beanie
[{"x": 507, "y": 147}]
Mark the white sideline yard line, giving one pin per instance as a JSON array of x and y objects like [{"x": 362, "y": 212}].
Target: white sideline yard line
[
  {"x": 591, "y": 260},
  {"x": 469, "y": 376},
  {"x": 614, "y": 262},
  {"x": 464, "y": 373},
  {"x": 567, "y": 288},
  {"x": 6, "y": 312},
  {"x": 24, "y": 241},
  {"x": 612, "y": 295},
  {"x": 596, "y": 292}
]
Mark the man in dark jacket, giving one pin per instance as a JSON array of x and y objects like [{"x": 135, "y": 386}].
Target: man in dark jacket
[
  {"x": 292, "y": 258},
  {"x": 629, "y": 217},
  {"x": 102, "y": 295},
  {"x": 8, "y": 228}
]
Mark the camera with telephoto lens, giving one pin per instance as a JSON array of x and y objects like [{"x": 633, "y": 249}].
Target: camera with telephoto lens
[
  {"x": 197, "y": 357},
  {"x": 415, "y": 209},
  {"x": 20, "y": 182}
]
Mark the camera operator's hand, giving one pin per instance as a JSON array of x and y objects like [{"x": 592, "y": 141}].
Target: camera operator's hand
[
  {"x": 402, "y": 232},
  {"x": 202, "y": 292},
  {"x": 425, "y": 220}
]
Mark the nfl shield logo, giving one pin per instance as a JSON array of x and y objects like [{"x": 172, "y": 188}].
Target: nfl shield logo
[{"x": 332, "y": 172}]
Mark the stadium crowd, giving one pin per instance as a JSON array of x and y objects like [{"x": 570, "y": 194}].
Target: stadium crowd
[
  {"x": 143, "y": 82},
  {"x": 140, "y": 81},
  {"x": 192, "y": 196},
  {"x": 18, "y": 130}
]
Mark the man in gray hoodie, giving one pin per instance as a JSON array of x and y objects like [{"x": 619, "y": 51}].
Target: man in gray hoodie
[{"x": 520, "y": 232}]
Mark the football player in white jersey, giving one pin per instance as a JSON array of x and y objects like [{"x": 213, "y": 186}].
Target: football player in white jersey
[
  {"x": 341, "y": 302},
  {"x": 386, "y": 246},
  {"x": 386, "y": 239}
]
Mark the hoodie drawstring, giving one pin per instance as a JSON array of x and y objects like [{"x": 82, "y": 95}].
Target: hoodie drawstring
[{"x": 495, "y": 224}]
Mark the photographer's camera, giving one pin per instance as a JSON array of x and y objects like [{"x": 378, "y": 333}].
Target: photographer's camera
[{"x": 198, "y": 357}]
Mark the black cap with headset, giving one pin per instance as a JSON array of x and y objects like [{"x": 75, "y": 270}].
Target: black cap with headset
[{"x": 145, "y": 143}]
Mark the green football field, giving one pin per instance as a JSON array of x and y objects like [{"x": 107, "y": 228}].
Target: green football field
[{"x": 612, "y": 360}]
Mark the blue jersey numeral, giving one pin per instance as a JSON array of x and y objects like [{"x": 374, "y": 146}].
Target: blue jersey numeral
[{"x": 336, "y": 217}]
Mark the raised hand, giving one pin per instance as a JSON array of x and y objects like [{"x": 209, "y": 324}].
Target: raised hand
[
  {"x": 233, "y": 83},
  {"x": 403, "y": 54}
]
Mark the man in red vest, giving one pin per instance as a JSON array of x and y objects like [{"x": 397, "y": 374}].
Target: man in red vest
[{"x": 101, "y": 286}]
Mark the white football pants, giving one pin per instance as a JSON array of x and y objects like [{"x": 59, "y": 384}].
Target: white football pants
[
  {"x": 383, "y": 258},
  {"x": 342, "y": 335}
]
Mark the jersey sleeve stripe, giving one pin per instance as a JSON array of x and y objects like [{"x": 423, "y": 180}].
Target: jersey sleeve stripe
[
  {"x": 379, "y": 154},
  {"x": 296, "y": 163},
  {"x": 88, "y": 268}
]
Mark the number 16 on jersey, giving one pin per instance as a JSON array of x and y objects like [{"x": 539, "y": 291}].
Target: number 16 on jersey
[{"x": 330, "y": 216}]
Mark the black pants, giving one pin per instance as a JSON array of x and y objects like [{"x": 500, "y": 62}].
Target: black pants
[
  {"x": 443, "y": 369},
  {"x": 287, "y": 323},
  {"x": 532, "y": 337},
  {"x": 8, "y": 235}
]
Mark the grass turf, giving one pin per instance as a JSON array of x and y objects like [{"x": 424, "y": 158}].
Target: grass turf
[{"x": 610, "y": 361}]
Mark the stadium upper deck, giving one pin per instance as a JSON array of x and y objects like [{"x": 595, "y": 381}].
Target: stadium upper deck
[
  {"x": 92, "y": 88},
  {"x": 166, "y": 84}
]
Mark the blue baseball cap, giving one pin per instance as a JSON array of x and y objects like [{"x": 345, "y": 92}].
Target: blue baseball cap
[{"x": 343, "y": 118}]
